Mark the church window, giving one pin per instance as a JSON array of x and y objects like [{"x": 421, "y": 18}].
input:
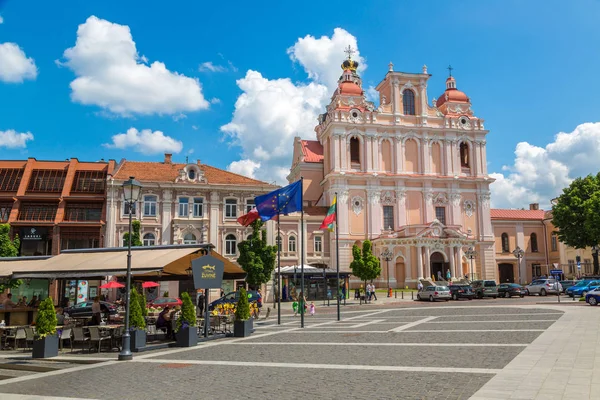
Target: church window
[
  {"x": 440, "y": 214},
  {"x": 505, "y": 246},
  {"x": 354, "y": 151},
  {"x": 464, "y": 155},
  {"x": 408, "y": 99},
  {"x": 388, "y": 218},
  {"x": 534, "y": 243}
]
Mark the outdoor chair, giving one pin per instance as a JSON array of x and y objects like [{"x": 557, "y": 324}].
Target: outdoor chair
[
  {"x": 95, "y": 337},
  {"x": 118, "y": 337},
  {"x": 19, "y": 335},
  {"x": 79, "y": 337},
  {"x": 65, "y": 335},
  {"x": 29, "y": 337},
  {"x": 9, "y": 334},
  {"x": 151, "y": 331}
]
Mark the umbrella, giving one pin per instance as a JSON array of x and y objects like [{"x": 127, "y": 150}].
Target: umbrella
[
  {"x": 112, "y": 285},
  {"x": 146, "y": 285}
]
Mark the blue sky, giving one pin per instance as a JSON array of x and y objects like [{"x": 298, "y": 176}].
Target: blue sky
[{"x": 530, "y": 68}]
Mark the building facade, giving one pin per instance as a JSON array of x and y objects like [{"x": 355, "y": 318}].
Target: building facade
[{"x": 54, "y": 205}]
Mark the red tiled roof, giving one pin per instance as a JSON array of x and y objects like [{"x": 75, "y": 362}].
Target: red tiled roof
[
  {"x": 312, "y": 150},
  {"x": 499, "y": 213},
  {"x": 165, "y": 172}
]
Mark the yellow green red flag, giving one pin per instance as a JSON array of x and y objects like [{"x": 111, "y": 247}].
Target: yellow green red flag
[{"x": 329, "y": 220}]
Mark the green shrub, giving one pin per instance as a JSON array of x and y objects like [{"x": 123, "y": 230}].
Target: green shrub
[
  {"x": 188, "y": 313},
  {"x": 45, "y": 323},
  {"x": 143, "y": 303},
  {"x": 136, "y": 320},
  {"x": 166, "y": 293},
  {"x": 242, "y": 310}
]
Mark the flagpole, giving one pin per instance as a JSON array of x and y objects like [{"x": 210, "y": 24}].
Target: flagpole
[
  {"x": 337, "y": 257},
  {"x": 302, "y": 253},
  {"x": 277, "y": 291}
]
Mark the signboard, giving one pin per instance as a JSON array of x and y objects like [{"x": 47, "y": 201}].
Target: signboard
[
  {"x": 207, "y": 272},
  {"x": 82, "y": 291},
  {"x": 556, "y": 272},
  {"x": 33, "y": 233}
]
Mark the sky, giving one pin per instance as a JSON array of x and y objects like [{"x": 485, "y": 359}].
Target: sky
[{"x": 231, "y": 83}]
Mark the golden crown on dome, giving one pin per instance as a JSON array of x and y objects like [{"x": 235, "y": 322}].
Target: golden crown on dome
[{"x": 349, "y": 63}]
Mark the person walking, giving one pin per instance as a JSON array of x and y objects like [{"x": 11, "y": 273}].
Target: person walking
[
  {"x": 373, "y": 294},
  {"x": 201, "y": 300},
  {"x": 312, "y": 309},
  {"x": 448, "y": 275},
  {"x": 419, "y": 286},
  {"x": 302, "y": 304},
  {"x": 368, "y": 292},
  {"x": 295, "y": 305}
]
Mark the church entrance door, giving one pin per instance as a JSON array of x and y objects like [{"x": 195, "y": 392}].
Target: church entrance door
[
  {"x": 438, "y": 266},
  {"x": 507, "y": 273}
]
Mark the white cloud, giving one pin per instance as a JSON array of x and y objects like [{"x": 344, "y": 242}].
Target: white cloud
[
  {"x": 194, "y": 127},
  {"x": 112, "y": 75},
  {"x": 15, "y": 66},
  {"x": 539, "y": 174},
  {"x": 244, "y": 167},
  {"x": 271, "y": 112},
  {"x": 215, "y": 100},
  {"x": 210, "y": 67},
  {"x": 1, "y": 19},
  {"x": 372, "y": 94},
  {"x": 12, "y": 139},
  {"x": 145, "y": 142}
]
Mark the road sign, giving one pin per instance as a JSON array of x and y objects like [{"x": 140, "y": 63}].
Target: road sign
[
  {"x": 578, "y": 264},
  {"x": 556, "y": 271}
]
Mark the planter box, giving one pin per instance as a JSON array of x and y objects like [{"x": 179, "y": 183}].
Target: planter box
[
  {"x": 45, "y": 347},
  {"x": 137, "y": 339},
  {"x": 187, "y": 337},
  {"x": 242, "y": 328}
]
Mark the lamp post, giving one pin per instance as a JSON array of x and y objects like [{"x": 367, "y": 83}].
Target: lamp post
[
  {"x": 131, "y": 192},
  {"x": 519, "y": 253},
  {"x": 471, "y": 255},
  {"x": 387, "y": 255}
]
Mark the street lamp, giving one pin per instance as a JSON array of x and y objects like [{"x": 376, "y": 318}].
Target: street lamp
[
  {"x": 471, "y": 255},
  {"x": 131, "y": 192},
  {"x": 519, "y": 253},
  {"x": 388, "y": 255}
]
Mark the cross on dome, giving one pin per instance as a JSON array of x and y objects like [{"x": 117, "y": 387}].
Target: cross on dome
[
  {"x": 349, "y": 50},
  {"x": 450, "y": 70}
]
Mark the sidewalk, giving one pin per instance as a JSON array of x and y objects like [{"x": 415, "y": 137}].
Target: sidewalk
[
  {"x": 286, "y": 306},
  {"x": 562, "y": 363}
]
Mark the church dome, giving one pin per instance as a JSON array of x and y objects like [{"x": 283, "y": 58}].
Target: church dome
[
  {"x": 452, "y": 94},
  {"x": 350, "y": 64},
  {"x": 350, "y": 88}
]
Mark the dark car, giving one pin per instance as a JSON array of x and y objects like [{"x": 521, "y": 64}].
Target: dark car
[
  {"x": 84, "y": 310},
  {"x": 567, "y": 284},
  {"x": 510, "y": 290},
  {"x": 461, "y": 292},
  {"x": 485, "y": 288},
  {"x": 232, "y": 298}
]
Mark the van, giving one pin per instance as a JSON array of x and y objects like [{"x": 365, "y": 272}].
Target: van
[{"x": 485, "y": 288}]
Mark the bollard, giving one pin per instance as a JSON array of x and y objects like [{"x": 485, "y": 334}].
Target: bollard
[
  {"x": 402, "y": 295},
  {"x": 412, "y": 295},
  {"x": 396, "y": 294},
  {"x": 328, "y": 302}
]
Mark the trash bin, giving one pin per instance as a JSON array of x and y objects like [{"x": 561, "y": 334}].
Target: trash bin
[{"x": 389, "y": 292}]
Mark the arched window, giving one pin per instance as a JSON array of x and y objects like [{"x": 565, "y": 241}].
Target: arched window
[
  {"x": 278, "y": 242},
  {"x": 505, "y": 247},
  {"x": 292, "y": 244},
  {"x": 149, "y": 239},
  {"x": 534, "y": 243},
  {"x": 249, "y": 238},
  {"x": 408, "y": 99},
  {"x": 464, "y": 155},
  {"x": 354, "y": 151},
  {"x": 190, "y": 238},
  {"x": 230, "y": 243},
  {"x": 192, "y": 174}
]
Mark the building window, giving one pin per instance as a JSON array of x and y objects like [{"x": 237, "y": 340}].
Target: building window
[
  {"x": 408, "y": 99},
  {"x": 190, "y": 238},
  {"x": 249, "y": 205},
  {"x": 440, "y": 214},
  {"x": 10, "y": 179},
  {"x": 534, "y": 243},
  {"x": 184, "y": 207},
  {"x": 149, "y": 206},
  {"x": 82, "y": 212},
  {"x": 536, "y": 270},
  {"x": 278, "y": 243},
  {"x": 355, "y": 151},
  {"x": 318, "y": 244},
  {"x": 230, "y": 243},
  {"x": 571, "y": 266},
  {"x": 5, "y": 209},
  {"x": 230, "y": 208},
  {"x": 192, "y": 174},
  {"x": 79, "y": 240},
  {"x": 37, "y": 212},
  {"x": 47, "y": 180},
  {"x": 388, "y": 218},
  {"x": 149, "y": 239},
  {"x": 292, "y": 244},
  {"x": 554, "y": 242},
  {"x": 198, "y": 207},
  {"x": 505, "y": 246},
  {"x": 126, "y": 206},
  {"x": 89, "y": 182},
  {"x": 464, "y": 155}
]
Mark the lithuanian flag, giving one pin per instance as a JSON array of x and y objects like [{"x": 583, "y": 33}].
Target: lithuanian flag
[{"x": 330, "y": 218}]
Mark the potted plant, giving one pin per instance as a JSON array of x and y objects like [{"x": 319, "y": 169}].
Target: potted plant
[
  {"x": 242, "y": 326},
  {"x": 46, "y": 340},
  {"x": 137, "y": 324},
  {"x": 186, "y": 333}
]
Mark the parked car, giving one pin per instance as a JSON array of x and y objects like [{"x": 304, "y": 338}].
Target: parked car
[
  {"x": 593, "y": 297},
  {"x": 510, "y": 290},
  {"x": 461, "y": 292},
  {"x": 567, "y": 284},
  {"x": 84, "y": 310},
  {"x": 544, "y": 286},
  {"x": 162, "y": 302},
  {"x": 232, "y": 298},
  {"x": 485, "y": 289},
  {"x": 433, "y": 293},
  {"x": 582, "y": 287}
]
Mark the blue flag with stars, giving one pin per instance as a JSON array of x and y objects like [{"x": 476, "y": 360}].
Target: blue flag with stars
[{"x": 281, "y": 201}]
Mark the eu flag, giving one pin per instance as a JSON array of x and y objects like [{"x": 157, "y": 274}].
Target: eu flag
[{"x": 281, "y": 201}]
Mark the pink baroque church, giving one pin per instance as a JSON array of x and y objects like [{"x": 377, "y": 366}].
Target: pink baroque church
[{"x": 410, "y": 176}]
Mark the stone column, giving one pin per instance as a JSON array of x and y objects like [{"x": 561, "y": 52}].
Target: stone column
[
  {"x": 166, "y": 236},
  {"x": 427, "y": 266},
  {"x": 420, "y": 261},
  {"x": 448, "y": 158},
  {"x": 398, "y": 155},
  {"x": 452, "y": 260},
  {"x": 426, "y": 156},
  {"x": 401, "y": 199},
  {"x": 213, "y": 236},
  {"x": 343, "y": 153},
  {"x": 343, "y": 211},
  {"x": 407, "y": 263},
  {"x": 375, "y": 215}
]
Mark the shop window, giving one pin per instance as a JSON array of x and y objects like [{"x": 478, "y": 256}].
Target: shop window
[{"x": 38, "y": 212}]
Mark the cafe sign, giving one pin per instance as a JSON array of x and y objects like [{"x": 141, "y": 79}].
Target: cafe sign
[
  {"x": 207, "y": 272},
  {"x": 32, "y": 234}
]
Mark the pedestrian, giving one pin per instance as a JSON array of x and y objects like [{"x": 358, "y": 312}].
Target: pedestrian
[
  {"x": 419, "y": 286},
  {"x": 259, "y": 303},
  {"x": 312, "y": 308},
  {"x": 302, "y": 304},
  {"x": 295, "y": 305},
  {"x": 96, "y": 312},
  {"x": 373, "y": 291},
  {"x": 439, "y": 274},
  {"x": 343, "y": 291},
  {"x": 201, "y": 300},
  {"x": 164, "y": 322},
  {"x": 448, "y": 275},
  {"x": 368, "y": 292}
]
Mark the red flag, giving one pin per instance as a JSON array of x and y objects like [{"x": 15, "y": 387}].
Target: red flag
[{"x": 249, "y": 218}]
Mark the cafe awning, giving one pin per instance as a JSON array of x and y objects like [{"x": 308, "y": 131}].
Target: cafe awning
[{"x": 10, "y": 264}]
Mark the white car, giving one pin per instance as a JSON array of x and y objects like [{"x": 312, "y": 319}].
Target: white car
[
  {"x": 433, "y": 293},
  {"x": 544, "y": 286}
]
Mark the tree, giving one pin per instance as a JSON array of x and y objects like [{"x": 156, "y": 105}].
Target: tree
[
  {"x": 135, "y": 312},
  {"x": 143, "y": 303},
  {"x": 256, "y": 257},
  {"x": 576, "y": 215},
  {"x": 45, "y": 322},
  {"x": 135, "y": 238},
  {"x": 365, "y": 265},
  {"x": 8, "y": 247},
  {"x": 242, "y": 310},
  {"x": 188, "y": 314}
]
